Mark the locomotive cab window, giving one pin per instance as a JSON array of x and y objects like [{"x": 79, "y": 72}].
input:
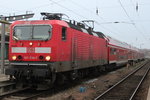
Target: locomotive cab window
[
  {"x": 64, "y": 33},
  {"x": 32, "y": 32}
]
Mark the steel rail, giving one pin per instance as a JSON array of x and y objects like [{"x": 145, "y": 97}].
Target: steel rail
[
  {"x": 2, "y": 95},
  {"x": 132, "y": 96},
  {"x": 9, "y": 84},
  {"x": 6, "y": 83},
  {"x": 10, "y": 94},
  {"x": 25, "y": 97},
  {"x": 34, "y": 95},
  {"x": 98, "y": 97}
]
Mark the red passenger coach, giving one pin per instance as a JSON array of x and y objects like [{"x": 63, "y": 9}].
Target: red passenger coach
[
  {"x": 47, "y": 50},
  {"x": 117, "y": 51},
  {"x": 121, "y": 53}
]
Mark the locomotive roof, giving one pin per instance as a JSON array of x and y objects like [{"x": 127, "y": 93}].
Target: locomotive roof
[
  {"x": 80, "y": 26},
  {"x": 59, "y": 22},
  {"x": 74, "y": 25}
]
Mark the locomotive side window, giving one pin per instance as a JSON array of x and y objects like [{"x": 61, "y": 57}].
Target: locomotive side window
[{"x": 64, "y": 33}]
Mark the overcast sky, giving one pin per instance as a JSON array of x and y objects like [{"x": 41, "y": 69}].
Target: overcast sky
[{"x": 133, "y": 15}]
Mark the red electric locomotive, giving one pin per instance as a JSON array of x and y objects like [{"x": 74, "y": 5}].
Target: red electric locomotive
[
  {"x": 47, "y": 50},
  {"x": 52, "y": 50}
]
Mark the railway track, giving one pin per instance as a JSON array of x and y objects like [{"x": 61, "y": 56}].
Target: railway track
[
  {"x": 8, "y": 88},
  {"x": 26, "y": 94},
  {"x": 29, "y": 93},
  {"x": 126, "y": 88},
  {"x": 12, "y": 91}
]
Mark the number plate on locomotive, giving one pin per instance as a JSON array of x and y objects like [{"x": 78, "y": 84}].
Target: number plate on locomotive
[{"x": 30, "y": 50}]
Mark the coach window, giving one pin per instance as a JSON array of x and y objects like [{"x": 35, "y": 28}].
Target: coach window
[
  {"x": 113, "y": 51},
  {"x": 64, "y": 33}
]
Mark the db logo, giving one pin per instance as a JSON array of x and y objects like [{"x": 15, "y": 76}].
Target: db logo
[{"x": 30, "y": 50}]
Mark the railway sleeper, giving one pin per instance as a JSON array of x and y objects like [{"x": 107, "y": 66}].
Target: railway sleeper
[{"x": 7, "y": 88}]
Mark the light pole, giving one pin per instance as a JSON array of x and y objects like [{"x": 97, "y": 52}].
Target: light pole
[
  {"x": 3, "y": 22},
  {"x": 141, "y": 45}
]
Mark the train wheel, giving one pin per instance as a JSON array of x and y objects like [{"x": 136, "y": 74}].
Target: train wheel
[
  {"x": 96, "y": 71},
  {"x": 73, "y": 75},
  {"x": 11, "y": 78}
]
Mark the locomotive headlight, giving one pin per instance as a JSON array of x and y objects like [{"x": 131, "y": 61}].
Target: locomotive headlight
[
  {"x": 30, "y": 43},
  {"x": 14, "y": 57},
  {"x": 47, "y": 58}
]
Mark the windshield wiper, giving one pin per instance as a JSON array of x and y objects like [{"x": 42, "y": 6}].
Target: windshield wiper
[{"x": 16, "y": 38}]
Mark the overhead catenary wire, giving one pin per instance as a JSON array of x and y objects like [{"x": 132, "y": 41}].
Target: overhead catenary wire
[
  {"x": 6, "y": 7},
  {"x": 36, "y": 7},
  {"x": 86, "y": 9},
  {"x": 125, "y": 11},
  {"x": 57, "y": 2},
  {"x": 137, "y": 13},
  {"x": 106, "y": 28},
  {"x": 130, "y": 19},
  {"x": 101, "y": 18},
  {"x": 81, "y": 15},
  {"x": 68, "y": 9}
]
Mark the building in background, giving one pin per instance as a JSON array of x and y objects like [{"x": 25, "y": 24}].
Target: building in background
[{"x": 146, "y": 53}]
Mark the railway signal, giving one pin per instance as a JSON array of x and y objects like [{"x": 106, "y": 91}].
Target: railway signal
[{"x": 6, "y": 20}]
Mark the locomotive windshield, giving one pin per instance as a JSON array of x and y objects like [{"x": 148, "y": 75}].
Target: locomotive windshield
[{"x": 32, "y": 32}]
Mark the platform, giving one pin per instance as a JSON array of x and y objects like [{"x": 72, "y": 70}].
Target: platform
[
  {"x": 3, "y": 77},
  {"x": 6, "y": 62},
  {"x": 148, "y": 95}
]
